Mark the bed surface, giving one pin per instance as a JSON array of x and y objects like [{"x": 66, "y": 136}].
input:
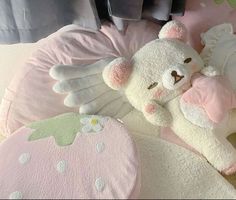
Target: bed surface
[{"x": 173, "y": 166}]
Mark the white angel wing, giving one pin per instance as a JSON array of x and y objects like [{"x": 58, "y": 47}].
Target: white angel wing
[{"x": 86, "y": 89}]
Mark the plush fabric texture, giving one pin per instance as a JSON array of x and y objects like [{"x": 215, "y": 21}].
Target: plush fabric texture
[
  {"x": 170, "y": 171},
  {"x": 155, "y": 88},
  {"x": 85, "y": 168},
  {"x": 159, "y": 86},
  {"x": 146, "y": 69},
  {"x": 219, "y": 52},
  {"x": 169, "y": 81},
  {"x": 174, "y": 29},
  {"x": 56, "y": 128},
  {"x": 30, "y": 97},
  {"x": 196, "y": 115},
  {"x": 177, "y": 63},
  {"x": 201, "y": 15},
  {"x": 119, "y": 74},
  {"x": 212, "y": 143},
  {"x": 85, "y": 88},
  {"x": 217, "y": 99}
]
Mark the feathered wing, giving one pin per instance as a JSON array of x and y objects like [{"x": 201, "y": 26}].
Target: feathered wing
[{"x": 86, "y": 89}]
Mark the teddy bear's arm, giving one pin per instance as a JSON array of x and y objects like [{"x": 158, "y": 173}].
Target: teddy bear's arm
[{"x": 157, "y": 114}]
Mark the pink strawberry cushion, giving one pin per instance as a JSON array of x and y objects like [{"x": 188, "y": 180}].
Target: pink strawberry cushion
[
  {"x": 70, "y": 156},
  {"x": 30, "y": 97}
]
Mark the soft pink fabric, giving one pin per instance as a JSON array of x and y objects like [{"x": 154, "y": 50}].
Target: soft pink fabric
[
  {"x": 150, "y": 108},
  {"x": 200, "y": 15},
  {"x": 214, "y": 94},
  {"x": 120, "y": 74},
  {"x": 30, "y": 97},
  {"x": 117, "y": 165},
  {"x": 176, "y": 32},
  {"x": 231, "y": 170}
]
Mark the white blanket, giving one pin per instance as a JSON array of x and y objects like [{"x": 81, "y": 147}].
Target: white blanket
[{"x": 170, "y": 171}]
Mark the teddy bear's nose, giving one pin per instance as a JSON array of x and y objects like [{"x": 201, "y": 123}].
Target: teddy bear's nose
[
  {"x": 176, "y": 76},
  {"x": 174, "y": 73}
]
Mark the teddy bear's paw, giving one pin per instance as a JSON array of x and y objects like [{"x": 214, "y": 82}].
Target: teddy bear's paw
[
  {"x": 210, "y": 71},
  {"x": 161, "y": 116},
  {"x": 151, "y": 108},
  {"x": 231, "y": 170}
]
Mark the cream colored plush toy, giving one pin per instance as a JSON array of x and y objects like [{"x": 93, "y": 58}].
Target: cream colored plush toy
[{"x": 154, "y": 82}]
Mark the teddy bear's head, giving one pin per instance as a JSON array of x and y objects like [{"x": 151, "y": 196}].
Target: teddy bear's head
[{"x": 159, "y": 71}]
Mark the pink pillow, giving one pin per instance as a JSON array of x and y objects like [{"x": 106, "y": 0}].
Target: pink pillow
[
  {"x": 203, "y": 14},
  {"x": 30, "y": 97},
  {"x": 94, "y": 166}
]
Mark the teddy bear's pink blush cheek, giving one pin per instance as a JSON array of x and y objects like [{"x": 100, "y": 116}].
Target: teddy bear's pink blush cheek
[
  {"x": 157, "y": 94},
  {"x": 150, "y": 108}
]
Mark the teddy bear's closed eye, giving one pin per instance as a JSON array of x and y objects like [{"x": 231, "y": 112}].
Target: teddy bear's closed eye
[
  {"x": 152, "y": 85},
  {"x": 187, "y": 60}
]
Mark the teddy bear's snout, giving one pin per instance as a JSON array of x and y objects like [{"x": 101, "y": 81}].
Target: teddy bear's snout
[{"x": 175, "y": 77}]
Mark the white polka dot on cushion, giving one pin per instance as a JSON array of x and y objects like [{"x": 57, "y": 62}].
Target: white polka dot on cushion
[
  {"x": 24, "y": 158},
  {"x": 95, "y": 166},
  {"x": 61, "y": 166},
  {"x": 100, "y": 147},
  {"x": 16, "y": 195},
  {"x": 99, "y": 184}
]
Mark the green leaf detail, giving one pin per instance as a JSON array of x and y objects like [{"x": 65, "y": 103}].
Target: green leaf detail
[
  {"x": 219, "y": 1},
  {"x": 232, "y": 3},
  {"x": 63, "y": 128}
]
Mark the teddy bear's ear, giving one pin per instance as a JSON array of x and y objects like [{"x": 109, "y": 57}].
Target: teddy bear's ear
[
  {"x": 175, "y": 30},
  {"x": 117, "y": 73}
]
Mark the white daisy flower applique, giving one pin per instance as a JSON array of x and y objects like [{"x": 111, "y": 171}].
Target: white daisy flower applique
[{"x": 92, "y": 124}]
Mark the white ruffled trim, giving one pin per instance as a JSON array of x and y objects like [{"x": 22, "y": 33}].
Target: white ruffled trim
[
  {"x": 212, "y": 37},
  {"x": 210, "y": 71}
]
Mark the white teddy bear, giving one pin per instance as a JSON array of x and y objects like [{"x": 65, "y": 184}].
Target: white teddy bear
[
  {"x": 157, "y": 73},
  {"x": 154, "y": 82}
]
